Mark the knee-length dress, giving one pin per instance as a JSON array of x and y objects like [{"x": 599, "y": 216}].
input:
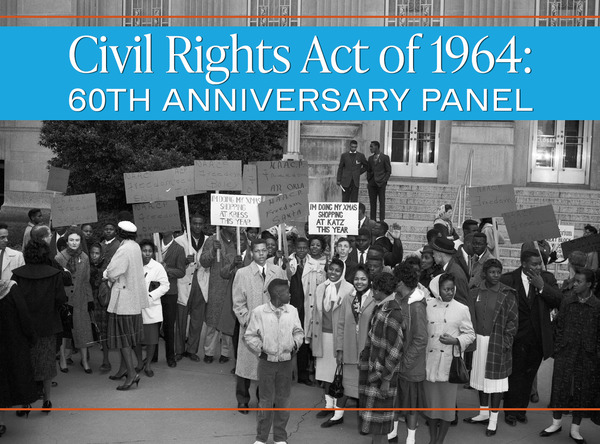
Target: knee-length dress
[{"x": 79, "y": 294}]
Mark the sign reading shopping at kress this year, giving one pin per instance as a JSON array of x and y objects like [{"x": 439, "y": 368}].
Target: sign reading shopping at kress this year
[
  {"x": 333, "y": 218},
  {"x": 289, "y": 207},
  {"x": 74, "y": 210},
  {"x": 156, "y": 186},
  {"x": 234, "y": 210},
  {"x": 531, "y": 224},
  {"x": 156, "y": 217},
  {"x": 280, "y": 177},
  {"x": 492, "y": 200},
  {"x": 219, "y": 175}
]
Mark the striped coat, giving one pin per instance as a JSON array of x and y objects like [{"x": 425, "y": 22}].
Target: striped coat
[
  {"x": 506, "y": 318},
  {"x": 379, "y": 362}
]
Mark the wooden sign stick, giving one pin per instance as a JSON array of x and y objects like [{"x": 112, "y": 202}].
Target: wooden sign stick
[
  {"x": 187, "y": 225},
  {"x": 237, "y": 234},
  {"x": 218, "y": 233}
]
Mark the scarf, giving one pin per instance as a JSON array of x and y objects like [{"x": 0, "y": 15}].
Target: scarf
[
  {"x": 357, "y": 303},
  {"x": 74, "y": 257},
  {"x": 5, "y": 287},
  {"x": 331, "y": 294}
]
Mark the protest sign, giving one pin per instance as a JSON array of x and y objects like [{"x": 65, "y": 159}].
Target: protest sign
[
  {"x": 156, "y": 217},
  {"x": 333, "y": 218},
  {"x": 74, "y": 210},
  {"x": 492, "y": 201},
  {"x": 586, "y": 244},
  {"x": 234, "y": 210},
  {"x": 156, "y": 186},
  {"x": 567, "y": 233},
  {"x": 221, "y": 175},
  {"x": 531, "y": 224},
  {"x": 58, "y": 179},
  {"x": 285, "y": 208},
  {"x": 249, "y": 184},
  {"x": 278, "y": 177}
]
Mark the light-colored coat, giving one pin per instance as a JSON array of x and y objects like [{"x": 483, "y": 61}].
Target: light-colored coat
[
  {"x": 350, "y": 339},
  {"x": 314, "y": 330},
  {"x": 12, "y": 259},
  {"x": 155, "y": 272},
  {"x": 312, "y": 276},
  {"x": 184, "y": 285},
  {"x": 248, "y": 292},
  {"x": 129, "y": 293}
]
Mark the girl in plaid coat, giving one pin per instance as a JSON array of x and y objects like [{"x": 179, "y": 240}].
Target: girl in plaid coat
[
  {"x": 494, "y": 312},
  {"x": 380, "y": 361}
]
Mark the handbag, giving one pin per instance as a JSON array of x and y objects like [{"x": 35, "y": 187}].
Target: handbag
[
  {"x": 336, "y": 388},
  {"x": 95, "y": 329},
  {"x": 458, "y": 369},
  {"x": 103, "y": 294},
  {"x": 66, "y": 317}
]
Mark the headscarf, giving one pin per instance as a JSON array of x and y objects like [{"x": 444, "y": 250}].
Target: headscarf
[
  {"x": 331, "y": 294},
  {"x": 5, "y": 287},
  {"x": 440, "y": 211},
  {"x": 434, "y": 286}
]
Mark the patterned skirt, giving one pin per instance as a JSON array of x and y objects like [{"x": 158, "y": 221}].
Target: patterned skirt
[
  {"x": 125, "y": 330},
  {"x": 43, "y": 358},
  {"x": 379, "y": 422}
]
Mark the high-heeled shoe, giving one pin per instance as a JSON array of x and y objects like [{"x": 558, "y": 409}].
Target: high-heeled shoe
[
  {"x": 135, "y": 380},
  {"x": 2, "y": 429},
  {"x": 47, "y": 405},
  {"x": 63, "y": 369},
  {"x": 117, "y": 377},
  {"x": 25, "y": 413},
  {"x": 87, "y": 370}
]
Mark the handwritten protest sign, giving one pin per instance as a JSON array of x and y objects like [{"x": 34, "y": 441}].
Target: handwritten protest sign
[
  {"x": 74, "y": 210},
  {"x": 285, "y": 208},
  {"x": 586, "y": 244},
  {"x": 156, "y": 217},
  {"x": 492, "y": 201},
  {"x": 531, "y": 224},
  {"x": 333, "y": 218},
  {"x": 155, "y": 186},
  {"x": 234, "y": 210},
  {"x": 249, "y": 180},
  {"x": 58, "y": 179},
  {"x": 567, "y": 233},
  {"x": 278, "y": 177},
  {"x": 221, "y": 175}
]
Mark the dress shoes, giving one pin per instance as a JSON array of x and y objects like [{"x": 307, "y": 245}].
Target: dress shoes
[
  {"x": 223, "y": 359},
  {"x": 242, "y": 408},
  {"x": 470, "y": 421},
  {"x": 454, "y": 422},
  {"x": 510, "y": 420},
  {"x": 544, "y": 433},
  {"x": 577, "y": 440},
  {"x": 194, "y": 357},
  {"x": 522, "y": 419},
  {"x": 105, "y": 368},
  {"x": 178, "y": 357},
  {"x": 208, "y": 359},
  {"x": 332, "y": 422},
  {"x": 307, "y": 382},
  {"x": 489, "y": 432},
  {"x": 171, "y": 363},
  {"x": 325, "y": 413}
]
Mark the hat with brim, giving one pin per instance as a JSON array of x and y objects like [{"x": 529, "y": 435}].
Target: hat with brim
[
  {"x": 443, "y": 245},
  {"x": 127, "y": 226}
]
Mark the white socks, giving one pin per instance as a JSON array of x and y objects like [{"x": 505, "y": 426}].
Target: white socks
[
  {"x": 574, "y": 431},
  {"x": 493, "y": 424},
  {"x": 410, "y": 438},
  {"x": 329, "y": 402},
  {"x": 556, "y": 424},
  {"x": 394, "y": 431},
  {"x": 483, "y": 414},
  {"x": 338, "y": 414}
]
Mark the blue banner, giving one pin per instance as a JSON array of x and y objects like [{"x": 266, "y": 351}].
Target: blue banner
[{"x": 299, "y": 73}]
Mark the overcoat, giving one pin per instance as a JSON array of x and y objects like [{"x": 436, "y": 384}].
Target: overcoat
[
  {"x": 249, "y": 291},
  {"x": 414, "y": 315},
  {"x": 506, "y": 316},
  {"x": 350, "y": 337},
  {"x": 184, "y": 284},
  {"x": 12, "y": 259}
]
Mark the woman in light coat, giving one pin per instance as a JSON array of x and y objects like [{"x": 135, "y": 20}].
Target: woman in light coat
[
  {"x": 128, "y": 296},
  {"x": 157, "y": 283},
  {"x": 449, "y": 325},
  {"x": 322, "y": 331}
]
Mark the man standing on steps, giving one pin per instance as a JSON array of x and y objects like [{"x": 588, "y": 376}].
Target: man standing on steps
[
  {"x": 352, "y": 165},
  {"x": 379, "y": 170}
]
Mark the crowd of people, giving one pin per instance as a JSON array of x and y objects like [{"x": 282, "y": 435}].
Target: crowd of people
[{"x": 395, "y": 328}]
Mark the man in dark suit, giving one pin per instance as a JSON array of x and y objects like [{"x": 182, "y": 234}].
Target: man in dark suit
[
  {"x": 363, "y": 220},
  {"x": 379, "y": 236},
  {"x": 379, "y": 170},
  {"x": 537, "y": 295},
  {"x": 352, "y": 165}
]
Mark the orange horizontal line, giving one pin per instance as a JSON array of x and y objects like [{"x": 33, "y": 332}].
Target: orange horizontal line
[
  {"x": 137, "y": 409},
  {"x": 300, "y": 16}
]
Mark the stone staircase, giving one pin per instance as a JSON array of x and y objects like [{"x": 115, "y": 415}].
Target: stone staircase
[{"x": 413, "y": 205}]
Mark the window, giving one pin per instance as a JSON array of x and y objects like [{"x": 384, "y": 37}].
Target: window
[
  {"x": 281, "y": 8},
  {"x": 140, "y": 8},
  {"x": 407, "y": 9},
  {"x": 567, "y": 12}
]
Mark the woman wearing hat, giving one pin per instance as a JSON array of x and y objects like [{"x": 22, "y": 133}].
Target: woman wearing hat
[
  {"x": 429, "y": 268},
  {"x": 443, "y": 222},
  {"x": 443, "y": 255},
  {"x": 128, "y": 297}
]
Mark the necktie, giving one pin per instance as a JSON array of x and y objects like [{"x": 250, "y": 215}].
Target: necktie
[
  {"x": 264, "y": 275},
  {"x": 362, "y": 258}
]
